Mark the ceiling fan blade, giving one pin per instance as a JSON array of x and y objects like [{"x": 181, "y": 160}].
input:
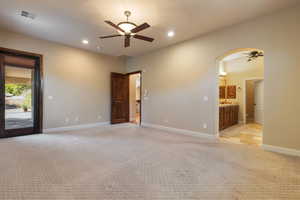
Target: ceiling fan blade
[
  {"x": 109, "y": 36},
  {"x": 115, "y": 26},
  {"x": 127, "y": 41},
  {"x": 140, "y": 28},
  {"x": 141, "y": 37}
]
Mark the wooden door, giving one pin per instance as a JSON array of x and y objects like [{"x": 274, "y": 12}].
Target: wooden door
[{"x": 119, "y": 98}]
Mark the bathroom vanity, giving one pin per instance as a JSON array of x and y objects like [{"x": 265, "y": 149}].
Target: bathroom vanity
[{"x": 228, "y": 115}]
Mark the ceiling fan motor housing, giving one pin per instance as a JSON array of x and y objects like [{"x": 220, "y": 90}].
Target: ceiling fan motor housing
[{"x": 127, "y": 13}]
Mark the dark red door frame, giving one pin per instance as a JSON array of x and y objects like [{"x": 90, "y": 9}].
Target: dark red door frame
[{"x": 38, "y": 91}]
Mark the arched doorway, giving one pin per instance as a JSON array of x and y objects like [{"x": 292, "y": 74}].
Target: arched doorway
[{"x": 240, "y": 99}]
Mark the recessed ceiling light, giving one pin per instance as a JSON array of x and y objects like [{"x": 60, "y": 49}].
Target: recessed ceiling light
[
  {"x": 85, "y": 41},
  {"x": 171, "y": 33}
]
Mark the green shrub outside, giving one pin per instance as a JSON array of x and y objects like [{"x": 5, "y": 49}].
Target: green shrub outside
[{"x": 16, "y": 89}]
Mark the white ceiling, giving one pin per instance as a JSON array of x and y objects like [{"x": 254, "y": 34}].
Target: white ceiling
[{"x": 70, "y": 21}]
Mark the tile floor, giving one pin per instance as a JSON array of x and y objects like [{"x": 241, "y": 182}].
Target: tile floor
[{"x": 250, "y": 134}]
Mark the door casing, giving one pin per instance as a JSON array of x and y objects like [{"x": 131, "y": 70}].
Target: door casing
[{"x": 38, "y": 97}]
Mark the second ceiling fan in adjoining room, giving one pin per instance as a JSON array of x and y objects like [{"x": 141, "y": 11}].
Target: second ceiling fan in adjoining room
[{"x": 128, "y": 30}]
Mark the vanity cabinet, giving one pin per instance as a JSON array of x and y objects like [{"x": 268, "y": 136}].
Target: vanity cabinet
[
  {"x": 228, "y": 116},
  {"x": 222, "y": 92}
]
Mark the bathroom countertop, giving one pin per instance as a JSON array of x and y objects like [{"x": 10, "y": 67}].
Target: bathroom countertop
[{"x": 225, "y": 105}]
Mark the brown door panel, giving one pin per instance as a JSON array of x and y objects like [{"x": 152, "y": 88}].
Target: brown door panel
[{"x": 119, "y": 98}]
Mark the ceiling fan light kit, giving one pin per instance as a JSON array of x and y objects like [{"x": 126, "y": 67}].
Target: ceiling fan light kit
[{"x": 128, "y": 29}]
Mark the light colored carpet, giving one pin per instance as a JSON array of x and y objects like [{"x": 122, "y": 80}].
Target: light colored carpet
[{"x": 132, "y": 163}]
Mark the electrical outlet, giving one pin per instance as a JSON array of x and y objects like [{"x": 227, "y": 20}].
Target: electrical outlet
[
  {"x": 205, "y": 125},
  {"x": 67, "y": 120},
  {"x": 205, "y": 98},
  {"x": 99, "y": 117}
]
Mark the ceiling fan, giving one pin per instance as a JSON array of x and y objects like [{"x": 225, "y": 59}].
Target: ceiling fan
[
  {"x": 254, "y": 54},
  {"x": 128, "y": 30}
]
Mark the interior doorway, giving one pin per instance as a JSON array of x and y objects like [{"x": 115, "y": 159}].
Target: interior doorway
[
  {"x": 20, "y": 93},
  {"x": 126, "y": 104},
  {"x": 254, "y": 96},
  {"x": 241, "y": 95},
  {"x": 135, "y": 98}
]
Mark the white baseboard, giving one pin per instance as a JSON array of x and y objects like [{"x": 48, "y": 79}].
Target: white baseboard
[
  {"x": 128, "y": 124},
  {"x": 84, "y": 126},
  {"x": 76, "y": 127},
  {"x": 287, "y": 151},
  {"x": 180, "y": 131}
]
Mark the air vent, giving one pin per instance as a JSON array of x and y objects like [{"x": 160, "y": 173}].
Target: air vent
[{"x": 27, "y": 14}]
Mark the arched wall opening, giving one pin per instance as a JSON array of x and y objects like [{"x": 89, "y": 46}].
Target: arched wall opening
[{"x": 240, "y": 96}]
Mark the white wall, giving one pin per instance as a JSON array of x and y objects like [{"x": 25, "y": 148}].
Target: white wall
[
  {"x": 78, "y": 80},
  {"x": 179, "y": 76}
]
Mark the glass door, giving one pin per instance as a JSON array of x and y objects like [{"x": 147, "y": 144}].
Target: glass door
[{"x": 20, "y": 96}]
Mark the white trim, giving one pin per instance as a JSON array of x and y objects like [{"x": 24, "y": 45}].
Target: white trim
[
  {"x": 287, "y": 151},
  {"x": 127, "y": 124},
  {"x": 180, "y": 131},
  {"x": 217, "y": 98},
  {"x": 86, "y": 126},
  {"x": 76, "y": 127}
]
